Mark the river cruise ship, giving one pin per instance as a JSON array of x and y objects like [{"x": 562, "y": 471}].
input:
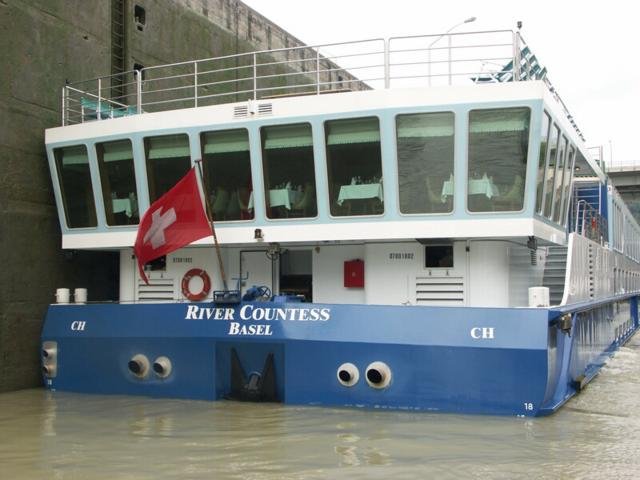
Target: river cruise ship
[{"x": 411, "y": 223}]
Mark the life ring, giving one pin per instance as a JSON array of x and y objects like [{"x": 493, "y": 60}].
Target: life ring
[{"x": 206, "y": 287}]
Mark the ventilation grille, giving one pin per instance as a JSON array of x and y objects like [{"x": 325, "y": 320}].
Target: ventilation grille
[
  {"x": 439, "y": 290},
  {"x": 240, "y": 111},
  {"x": 244, "y": 111},
  {"x": 158, "y": 290},
  {"x": 265, "y": 109}
]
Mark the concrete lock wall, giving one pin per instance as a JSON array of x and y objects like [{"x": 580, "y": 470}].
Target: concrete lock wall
[{"x": 44, "y": 43}]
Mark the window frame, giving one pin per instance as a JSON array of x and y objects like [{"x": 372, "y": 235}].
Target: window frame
[
  {"x": 328, "y": 169},
  {"x": 526, "y": 162},
  {"x": 98, "y": 146},
  {"x": 58, "y": 159},
  {"x": 263, "y": 174},
  {"x": 397, "y": 162},
  {"x": 205, "y": 183}
]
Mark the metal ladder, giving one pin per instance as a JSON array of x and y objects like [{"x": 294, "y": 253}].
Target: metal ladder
[{"x": 118, "y": 47}]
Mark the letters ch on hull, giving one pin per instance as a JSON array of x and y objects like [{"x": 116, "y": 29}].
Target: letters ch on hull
[
  {"x": 78, "y": 326},
  {"x": 484, "y": 333}
]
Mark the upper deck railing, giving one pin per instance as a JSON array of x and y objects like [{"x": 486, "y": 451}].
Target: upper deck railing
[{"x": 424, "y": 60}]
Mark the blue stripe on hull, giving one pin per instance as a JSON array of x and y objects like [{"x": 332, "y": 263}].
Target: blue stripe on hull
[{"x": 470, "y": 360}]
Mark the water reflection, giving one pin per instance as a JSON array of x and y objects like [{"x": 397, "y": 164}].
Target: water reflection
[{"x": 64, "y": 435}]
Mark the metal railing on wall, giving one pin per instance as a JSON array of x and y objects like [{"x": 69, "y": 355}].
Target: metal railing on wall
[
  {"x": 425, "y": 60},
  {"x": 588, "y": 222}
]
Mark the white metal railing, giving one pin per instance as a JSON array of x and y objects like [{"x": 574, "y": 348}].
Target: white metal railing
[
  {"x": 425, "y": 60},
  {"x": 589, "y": 223}
]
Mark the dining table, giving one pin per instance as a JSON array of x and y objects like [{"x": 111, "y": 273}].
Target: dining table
[
  {"x": 280, "y": 197},
  {"x": 122, "y": 205},
  {"x": 360, "y": 191},
  {"x": 476, "y": 186}
]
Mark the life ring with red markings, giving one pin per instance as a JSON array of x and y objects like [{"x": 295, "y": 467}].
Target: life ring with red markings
[{"x": 206, "y": 284}]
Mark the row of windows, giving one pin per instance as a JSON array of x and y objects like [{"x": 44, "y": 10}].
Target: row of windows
[
  {"x": 497, "y": 155},
  {"x": 555, "y": 171}
]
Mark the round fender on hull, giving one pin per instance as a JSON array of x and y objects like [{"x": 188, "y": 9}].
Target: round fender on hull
[
  {"x": 378, "y": 375},
  {"x": 348, "y": 374},
  {"x": 162, "y": 367},
  {"x": 139, "y": 366}
]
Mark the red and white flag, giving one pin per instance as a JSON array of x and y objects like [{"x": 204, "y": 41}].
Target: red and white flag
[{"x": 176, "y": 219}]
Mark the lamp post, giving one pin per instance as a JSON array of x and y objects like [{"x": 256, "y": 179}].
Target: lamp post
[{"x": 468, "y": 20}]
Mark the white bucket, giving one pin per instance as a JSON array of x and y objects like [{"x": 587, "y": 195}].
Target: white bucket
[
  {"x": 539, "y": 297},
  {"x": 62, "y": 295},
  {"x": 80, "y": 295}
]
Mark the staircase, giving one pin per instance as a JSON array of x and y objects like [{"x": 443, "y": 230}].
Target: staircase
[{"x": 554, "y": 273}]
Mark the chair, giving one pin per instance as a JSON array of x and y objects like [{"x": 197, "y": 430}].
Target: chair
[
  {"x": 433, "y": 195},
  {"x": 304, "y": 206},
  {"x": 219, "y": 207},
  {"x": 512, "y": 200},
  {"x": 244, "y": 194},
  {"x": 436, "y": 201},
  {"x": 233, "y": 207}
]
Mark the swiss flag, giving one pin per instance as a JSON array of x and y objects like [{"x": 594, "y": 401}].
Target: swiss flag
[{"x": 174, "y": 220}]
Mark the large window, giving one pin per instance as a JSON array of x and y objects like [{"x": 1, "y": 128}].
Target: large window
[
  {"x": 168, "y": 160},
  {"x": 289, "y": 174},
  {"x": 118, "y": 181},
  {"x": 354, "y": 166},
  {"x": 550, "y": 170},
  {"x": 72, "y": 164},
  {"x": 498, "y": 144},
  {"x": 425, "y": 162},
  {"x": 227, "y": 172},
  {"x": 544, "y": 142}
]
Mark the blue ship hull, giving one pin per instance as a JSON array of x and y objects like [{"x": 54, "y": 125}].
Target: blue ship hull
[{"x": 467, "y": 360}]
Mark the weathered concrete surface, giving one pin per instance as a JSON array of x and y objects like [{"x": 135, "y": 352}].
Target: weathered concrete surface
[{"x": 42, "y": 44}]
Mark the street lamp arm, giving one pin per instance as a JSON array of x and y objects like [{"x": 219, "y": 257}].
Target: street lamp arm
[{"x": 468, "y": 20}]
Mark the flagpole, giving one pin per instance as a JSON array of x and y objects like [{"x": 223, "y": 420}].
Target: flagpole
[{"x": 213, "y": 230}]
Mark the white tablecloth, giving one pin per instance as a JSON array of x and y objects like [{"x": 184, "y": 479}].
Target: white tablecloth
[
  {"x": 447, "y": 189},
  {"x": 482, "y": 186},
  {"x": 280, "y": 197},
  {"x": 476, "y": 186},
  {"x": 359, "y": 192},
  {"x": 122, "y": 205}
]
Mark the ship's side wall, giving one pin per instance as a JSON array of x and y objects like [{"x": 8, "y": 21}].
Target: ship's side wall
[
  {"x": 484, "y": 273},
  {"x": 595, "y": 272},
  {"x": 473, "y": 360}
]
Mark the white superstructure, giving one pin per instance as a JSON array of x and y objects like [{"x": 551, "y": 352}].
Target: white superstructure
[{"x": 449, "y": 195}]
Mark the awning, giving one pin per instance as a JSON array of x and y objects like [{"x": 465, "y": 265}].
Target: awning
[
  {"x": 226, "y": 141},
  {"x": 168, "y": 146},
  {"x": 358, "y": 130},
  {"x": 288, "y": 136},
  {"x": 76, "y": 155},
  {"x": 499, "y": 120},
  {"x": 116, "y": 151},
  {"x": 424, "y": 125}
]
